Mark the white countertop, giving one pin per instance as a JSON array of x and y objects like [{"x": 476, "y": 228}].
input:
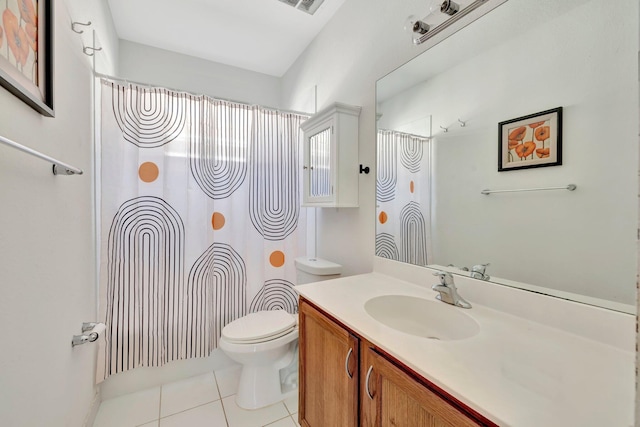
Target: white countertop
[{"x": 515, "y": 371}]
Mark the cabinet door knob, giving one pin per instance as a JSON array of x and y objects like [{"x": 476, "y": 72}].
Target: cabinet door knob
[
  {"x": 366, "y": 382},
  {"x": 346, "y": 363}
]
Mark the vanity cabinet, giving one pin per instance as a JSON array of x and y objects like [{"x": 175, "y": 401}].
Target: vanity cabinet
[
  {"x": 347, "y": 381},
  {"x": 390, "y": 397},
  {"x": 330, "y": 151},
  {"x": 328, "y": 373}
]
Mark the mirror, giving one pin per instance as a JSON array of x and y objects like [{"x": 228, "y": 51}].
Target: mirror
[{"x": 438, "y": 149}]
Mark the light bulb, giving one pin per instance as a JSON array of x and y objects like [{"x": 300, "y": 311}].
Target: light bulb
[
  {"x": 408, "y": 24},
  {"x": 448, "y": 7},
  {"x": 415, "y": 26}
]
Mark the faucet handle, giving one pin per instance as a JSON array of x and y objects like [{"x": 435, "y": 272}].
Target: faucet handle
[
  {"x": 446, "y": 279},
  {"x": 480, "y": 268}
]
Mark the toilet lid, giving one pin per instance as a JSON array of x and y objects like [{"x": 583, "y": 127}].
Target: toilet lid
[{"x": 260, "y": 326}]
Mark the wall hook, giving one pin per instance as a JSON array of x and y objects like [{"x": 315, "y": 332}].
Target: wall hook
[
  {"x": 73, "y": 26},
  {"x": 445, "y": 130},
  {"x": 92, "y": 49},
  {"x": 462, "y": 124},
  {"x": 364, "y": 169}
]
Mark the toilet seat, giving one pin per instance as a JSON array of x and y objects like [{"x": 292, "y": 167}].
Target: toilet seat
[{"x": 259, "y": 327}]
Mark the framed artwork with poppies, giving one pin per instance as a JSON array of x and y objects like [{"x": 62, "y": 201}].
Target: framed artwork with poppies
[
  {"x": 531, "y": 141},
  {"x": 26, "y": 52}
]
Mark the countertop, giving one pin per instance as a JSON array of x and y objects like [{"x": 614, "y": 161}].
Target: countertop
[{"x": 515, "y": 371}]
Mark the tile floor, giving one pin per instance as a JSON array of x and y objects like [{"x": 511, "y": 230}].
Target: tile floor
[{"x": 206, "y": 400}]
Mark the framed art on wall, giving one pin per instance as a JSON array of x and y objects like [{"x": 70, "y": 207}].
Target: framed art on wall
[
  {"x": 26, "y": 52},
  {"x": 531, "y": 141}
]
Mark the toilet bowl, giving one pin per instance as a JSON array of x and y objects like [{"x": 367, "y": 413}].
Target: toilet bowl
[{"x": 265, "y": 343}]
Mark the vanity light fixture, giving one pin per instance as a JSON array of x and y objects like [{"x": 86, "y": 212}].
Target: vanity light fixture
[{"x": 442, "y": 13}]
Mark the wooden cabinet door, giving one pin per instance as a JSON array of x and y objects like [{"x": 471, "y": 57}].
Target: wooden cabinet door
[
  {"x": 390, "y": 397},
  {"x": 328, "y": 377}
]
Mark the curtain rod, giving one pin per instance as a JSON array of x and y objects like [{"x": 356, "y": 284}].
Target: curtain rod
[
  {"x": 119, "y": 79},
  {"x": 59, "y": 168},
  {"x": 405, "y": 133}
]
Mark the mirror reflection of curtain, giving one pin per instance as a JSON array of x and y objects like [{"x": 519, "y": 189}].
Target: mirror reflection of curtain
[
  {"x": 200, "y": 217},
  {"x": 403, "y": 197}
]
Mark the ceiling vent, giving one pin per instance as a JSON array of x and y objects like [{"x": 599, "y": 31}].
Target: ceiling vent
[{"x": 309, "y": 6}]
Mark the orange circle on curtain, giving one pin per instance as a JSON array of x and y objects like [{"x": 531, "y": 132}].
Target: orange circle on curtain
[
  {"x": 148, "y": 172},
  {"x": 217, "y": 220},
  {"x": 411, "y": 186},
  {"x": 277, "y": 258},
  {"x": 382, "y": 217}
]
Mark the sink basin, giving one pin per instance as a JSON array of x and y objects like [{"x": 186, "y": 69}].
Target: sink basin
[{"x": 421, "y": 317}]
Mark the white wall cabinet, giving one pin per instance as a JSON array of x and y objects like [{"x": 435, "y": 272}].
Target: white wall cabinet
[{"x": 331, "y": 157}]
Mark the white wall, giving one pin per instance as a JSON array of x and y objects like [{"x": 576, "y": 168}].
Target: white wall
[
  {"x": 46, "y": 249},
  {"x": 146, "y": 64},
  {"x": 363, "y": 42},
  {"x": 558, "y": 236}
]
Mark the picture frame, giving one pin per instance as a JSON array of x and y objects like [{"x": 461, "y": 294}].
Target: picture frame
[
  {"x": 26, "y": 52},
  {"x": 531, "y": 141}
]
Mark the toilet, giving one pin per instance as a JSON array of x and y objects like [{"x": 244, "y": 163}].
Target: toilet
[{"x": 265, "y": 343}]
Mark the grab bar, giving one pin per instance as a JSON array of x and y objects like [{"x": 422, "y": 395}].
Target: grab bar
[
  {"x": 569, "y": 187},
  {"x": 59, "y": 168}
]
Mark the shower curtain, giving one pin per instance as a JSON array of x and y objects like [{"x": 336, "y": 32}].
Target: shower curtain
[
  {"x": 403, "y": 197},
  {"x": 200, "y": 220}
]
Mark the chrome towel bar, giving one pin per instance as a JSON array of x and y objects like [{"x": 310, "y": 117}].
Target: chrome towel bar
[
  {"x": 569, "y": 187},
  {"x": 59, "y": 168}
]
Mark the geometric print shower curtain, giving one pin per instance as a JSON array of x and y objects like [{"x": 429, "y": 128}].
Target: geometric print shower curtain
[
  {"x": 200, "y": 220},
  {"x": 403, "y": 194}
]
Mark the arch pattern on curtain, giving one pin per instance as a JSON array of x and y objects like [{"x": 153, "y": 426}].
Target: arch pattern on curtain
[
  {"x": 147, "y": 116},
  {"x": 411, "y": 151},
  {"x": 387, "y": 167},
  {"x": 413, "y": 235},
  {"x": 386, "y": 246},
  {"x": 274, "y": 202},
  {"x": 276, "y": 294},
  {"x": 144, "y": 313},
  {"x": 216, "y": 295},
  {"x": 219, "y": 147}
]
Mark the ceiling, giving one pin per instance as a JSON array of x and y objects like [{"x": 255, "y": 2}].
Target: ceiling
[{"x": 265, "y": 36}]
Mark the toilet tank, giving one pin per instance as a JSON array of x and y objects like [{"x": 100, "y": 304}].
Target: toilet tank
[{"x": 312, "y": 269}]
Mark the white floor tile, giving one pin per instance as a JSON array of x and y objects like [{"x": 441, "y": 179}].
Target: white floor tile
[
  {"x": 129, "y": 410},
  {"x": 209, "y": 415},
  {"x": 292, "y": 404},
  {"x": 186, "y": 394},
  {"x": 294, "y": 417},
  {"x": 151, "y": 424},
  {"x": 228, "y": 380},
  {"x": 238, "y": 417},
  {"x": 285, "y": 422}
]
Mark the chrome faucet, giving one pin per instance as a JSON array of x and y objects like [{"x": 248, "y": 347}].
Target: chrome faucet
[
  {"x": 477, "y": 272},
  {"x": 448, "y": 290}
]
